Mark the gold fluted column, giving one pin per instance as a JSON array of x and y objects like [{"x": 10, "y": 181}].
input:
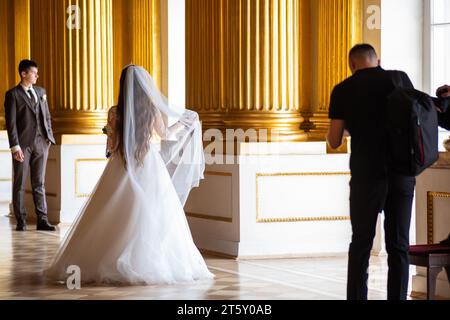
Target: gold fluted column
[
  {"x": 15, "y": 39},
  {"x": 337, "y": 26},
  {"x": 136, "y": 32},
  {"x": 76, "y": 65},
  {"x": 245, "y": 64}
]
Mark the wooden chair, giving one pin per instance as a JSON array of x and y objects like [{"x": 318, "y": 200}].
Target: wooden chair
[{"x": 434, "y": 257}]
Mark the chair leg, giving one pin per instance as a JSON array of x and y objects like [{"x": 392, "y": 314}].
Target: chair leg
[{"x": 432, "y": 273}]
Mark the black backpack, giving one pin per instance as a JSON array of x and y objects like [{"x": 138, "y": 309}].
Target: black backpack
[{"x": 412, "y": 129}]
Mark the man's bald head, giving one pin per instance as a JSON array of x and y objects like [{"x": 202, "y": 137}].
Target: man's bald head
[{"x": 363, "y": 56}]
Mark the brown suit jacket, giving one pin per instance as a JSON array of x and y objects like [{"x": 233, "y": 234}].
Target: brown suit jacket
[{"x": 21, "y": 117}]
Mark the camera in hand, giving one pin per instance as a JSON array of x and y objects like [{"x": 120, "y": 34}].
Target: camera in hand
[{"x": 442, "y": 104}]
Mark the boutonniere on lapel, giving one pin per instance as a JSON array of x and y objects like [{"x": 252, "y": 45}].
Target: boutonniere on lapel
[{"x": 44, "y": 98}]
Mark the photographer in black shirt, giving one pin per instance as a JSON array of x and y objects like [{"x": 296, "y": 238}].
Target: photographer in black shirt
[{"x": 358, "y": 105}]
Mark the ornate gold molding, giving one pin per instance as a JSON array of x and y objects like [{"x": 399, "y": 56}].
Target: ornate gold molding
[
  {"x": 209, "y": 217},
  {"x": 77, "y": 162},
  {"x": 220, "y": 174},
  {"x": 430, "y": 212},
  {"x": 294, "y": 219},
  {"x": 48, "y": 194},
  {"x": 285, "y": 126},
  {"x": 78, "y": 122},
  {"x": 217, "y": 254}
]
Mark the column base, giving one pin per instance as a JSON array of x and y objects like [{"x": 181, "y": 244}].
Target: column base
[
  {"x": 321, "y": 124},
  {"x": 78, "y": 123},
  {"x": 278, "y": 126}
]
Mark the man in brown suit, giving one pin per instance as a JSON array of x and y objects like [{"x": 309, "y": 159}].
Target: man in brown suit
[{"x": 30, "y": 136}]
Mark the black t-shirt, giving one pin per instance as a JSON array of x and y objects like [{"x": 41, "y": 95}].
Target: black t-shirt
[{"x": 361, "y": 102}]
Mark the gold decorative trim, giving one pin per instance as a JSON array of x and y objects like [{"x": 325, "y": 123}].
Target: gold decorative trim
[
  {"x": 78, "y": 161},
  {"x": 6, "y": 180},
  {"x": 430, "y": 212},
  {"x": 48, "y": 194},
  {"x": 296, "y": 219},
  {"x": 308, "y": 219},
  {"x": 220, "y": 174},
  {"x": 5, "y": 151},
  {"x": 217, "y": 254},
  {"x": 208, "y": 217}
]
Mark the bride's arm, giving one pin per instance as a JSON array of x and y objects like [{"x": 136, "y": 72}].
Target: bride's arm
[
  {"x": 170, "y": 133},
  {"x": 159, "y": 126},
  {"x": 111, "y": 144}
]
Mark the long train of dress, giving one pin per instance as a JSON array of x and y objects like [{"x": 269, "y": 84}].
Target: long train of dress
[{"x": 119, "y": 237}]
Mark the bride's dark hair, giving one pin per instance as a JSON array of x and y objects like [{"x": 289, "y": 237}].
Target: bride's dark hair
[{"x": 144, "y": 120}]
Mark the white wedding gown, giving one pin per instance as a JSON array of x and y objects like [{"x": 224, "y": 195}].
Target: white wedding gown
[{"x": 132, "y": 236}]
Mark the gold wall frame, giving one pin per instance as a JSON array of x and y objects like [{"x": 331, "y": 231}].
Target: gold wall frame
[
  {"x": 430, "y": 212},
  {"x": 48, "y": 194},
  {"x": 296, "y": 219},
  {"x": 210, "y": 217}
]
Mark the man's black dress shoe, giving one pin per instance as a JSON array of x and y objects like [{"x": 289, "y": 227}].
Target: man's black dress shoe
[
  {"x": 43, "y": 225},
  {"x": 21, "y": 227}
]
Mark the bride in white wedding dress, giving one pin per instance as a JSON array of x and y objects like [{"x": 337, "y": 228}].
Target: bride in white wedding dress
[{"x": 133, "y": 229}]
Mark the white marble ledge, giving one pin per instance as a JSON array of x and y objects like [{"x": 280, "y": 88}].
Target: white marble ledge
[
  {"x": 443, "y": 162},
  {"x": 83, "y": 139}
]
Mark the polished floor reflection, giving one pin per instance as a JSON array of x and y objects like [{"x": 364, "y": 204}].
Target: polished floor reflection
[{"x": 23, "y": 256}]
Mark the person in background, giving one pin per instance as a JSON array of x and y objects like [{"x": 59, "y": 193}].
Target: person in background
[{"x": 358, "y": 105}]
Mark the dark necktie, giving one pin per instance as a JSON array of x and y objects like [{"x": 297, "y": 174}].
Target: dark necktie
[{"x": 31, "y": 96}]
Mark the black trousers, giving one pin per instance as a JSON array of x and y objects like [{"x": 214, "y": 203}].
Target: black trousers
[
  {"x": 393, "y": 195},
  {"x": 36, "y": 162}
]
